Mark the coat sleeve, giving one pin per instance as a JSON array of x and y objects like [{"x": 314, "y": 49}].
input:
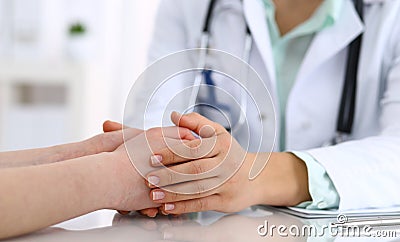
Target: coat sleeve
[
  {"x": 320, "y": 185},
  {"x": 366, "y": 172}
]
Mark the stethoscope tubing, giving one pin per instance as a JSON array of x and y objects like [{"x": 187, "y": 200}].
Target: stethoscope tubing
[{"x": 348, "y": 99}]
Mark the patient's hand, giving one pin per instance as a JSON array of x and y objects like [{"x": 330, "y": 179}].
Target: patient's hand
[
  {"x": 109, "y": 126},
  {"x": 105, "y": 142},
  {"x": 134, "y": 158}
]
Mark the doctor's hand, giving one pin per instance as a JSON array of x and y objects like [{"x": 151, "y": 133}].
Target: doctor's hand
[{"x": 217, "y": 170}]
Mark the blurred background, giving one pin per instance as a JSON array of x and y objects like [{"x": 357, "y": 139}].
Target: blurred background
[{"x": 68, "y": 65}]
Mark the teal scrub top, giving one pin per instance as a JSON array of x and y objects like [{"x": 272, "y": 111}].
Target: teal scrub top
[{"x": 289, "y": 51}]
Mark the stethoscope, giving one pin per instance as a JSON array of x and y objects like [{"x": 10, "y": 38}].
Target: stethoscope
[
  {"x": 346, "y": 113},
  {"x": 206, "y": 74}
]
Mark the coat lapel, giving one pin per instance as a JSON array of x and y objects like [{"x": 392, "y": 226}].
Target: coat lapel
[
  {"x": 330, "y": 41},
  {"x": 255, "y": 16}
]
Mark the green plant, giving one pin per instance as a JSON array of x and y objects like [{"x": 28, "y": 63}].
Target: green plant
[{"x": 77, "y": 29}]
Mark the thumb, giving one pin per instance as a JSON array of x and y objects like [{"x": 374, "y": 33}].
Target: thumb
[
  {"x": 197, "y": 123},
  {"x": 109, "y": 126}
]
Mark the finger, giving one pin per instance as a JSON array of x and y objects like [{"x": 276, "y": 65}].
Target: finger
[
  {"x": 130, "y": 133},
  {"x": 196, "y": 205},
  {"x": 111, "y": 126},
  {"x": 170, "y": 132},
  {"x": 186, "y": 151},
  {"x": 184, "y": 191},
  {"x": 149, "y": 212},
  {"x": 197, "y": 123},
  {"x": 141, "y": 158},
  {"x": 190, "y": 171},
  {"x": 123, "y": 212}
]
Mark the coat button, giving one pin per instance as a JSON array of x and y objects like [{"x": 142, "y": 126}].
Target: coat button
[{"x": 263, "y": 117}]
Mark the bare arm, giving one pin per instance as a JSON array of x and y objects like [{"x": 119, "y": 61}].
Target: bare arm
[
  {"x": 38, "y": 196},
  {"x": 101, "y": 143},
  {"x": 44, "y": 155},
  {"x": 35, "y": 197}
]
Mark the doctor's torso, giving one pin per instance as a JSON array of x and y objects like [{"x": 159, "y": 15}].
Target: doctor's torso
[{"x": 313, "y": 103}]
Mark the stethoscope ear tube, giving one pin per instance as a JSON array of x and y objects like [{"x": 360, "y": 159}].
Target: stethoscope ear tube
[
  {"x": 199, "y": 76},
  {"x": 349, "y": 93},
  {"x": 207, "y": 23}
]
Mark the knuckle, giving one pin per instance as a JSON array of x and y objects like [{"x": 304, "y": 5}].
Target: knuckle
[
  {"x": 194, "y": 115},
  {"x": 170, "y": 177},
  {"x": 193, "y": 152},
  {"x": 200, "y": 187},
  {"x": 225, "y": 142},
  {"x": 194, "y": 148},
  {"x": 185, "y": 133},
  {"x": 184, "y": 207},
  {"x": 202, "y": 204},
  {"x": 154, "y": 132},
  {"x": 196, "y": 168},
  {"x": 174, "y": 196},
  {"x": 168, "y": 157},
  {"x": 194, "y": 144},
  {"x": 181, "y": 207}
]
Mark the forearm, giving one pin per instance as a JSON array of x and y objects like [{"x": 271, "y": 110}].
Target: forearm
[
  {"x": 283, "y": 182},
  {"x": 42, "y": 156},
  {"x": 39, "y": 196}
]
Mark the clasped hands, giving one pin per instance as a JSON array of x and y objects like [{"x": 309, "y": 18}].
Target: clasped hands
[
  {"x": 209, "y": 173},
  {"x": 188, "y": 174}
]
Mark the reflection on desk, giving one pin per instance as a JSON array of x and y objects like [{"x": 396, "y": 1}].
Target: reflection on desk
[{"x": 207, "y": 226}]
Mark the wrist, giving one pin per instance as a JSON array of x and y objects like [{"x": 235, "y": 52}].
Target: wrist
[
  {"x": 113, "y": 186},
  {"x": 284, "y": 180},
  {"x": 257, "y": 185},
  {"x": 90, "y": 181},
  {"x": 70, "y": 151},
  {"x": 123, "y": 182}
]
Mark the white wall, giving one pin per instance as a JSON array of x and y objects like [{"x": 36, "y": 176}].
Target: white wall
[
  {"x": 114, "y": 55},
  {"x": 138, "y": 26}
]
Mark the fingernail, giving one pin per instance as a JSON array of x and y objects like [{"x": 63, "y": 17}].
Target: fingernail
[
  {"x": 168, "y": 235},
  {"x": 169, "y": 206},
  {"x": 158, "y": 195},
  {"x": 156, "y": 160},
  {"x": 153, "y": 180}
]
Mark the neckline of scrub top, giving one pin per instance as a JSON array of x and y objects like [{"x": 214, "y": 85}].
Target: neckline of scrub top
[{"x": 324, "y": 16}]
